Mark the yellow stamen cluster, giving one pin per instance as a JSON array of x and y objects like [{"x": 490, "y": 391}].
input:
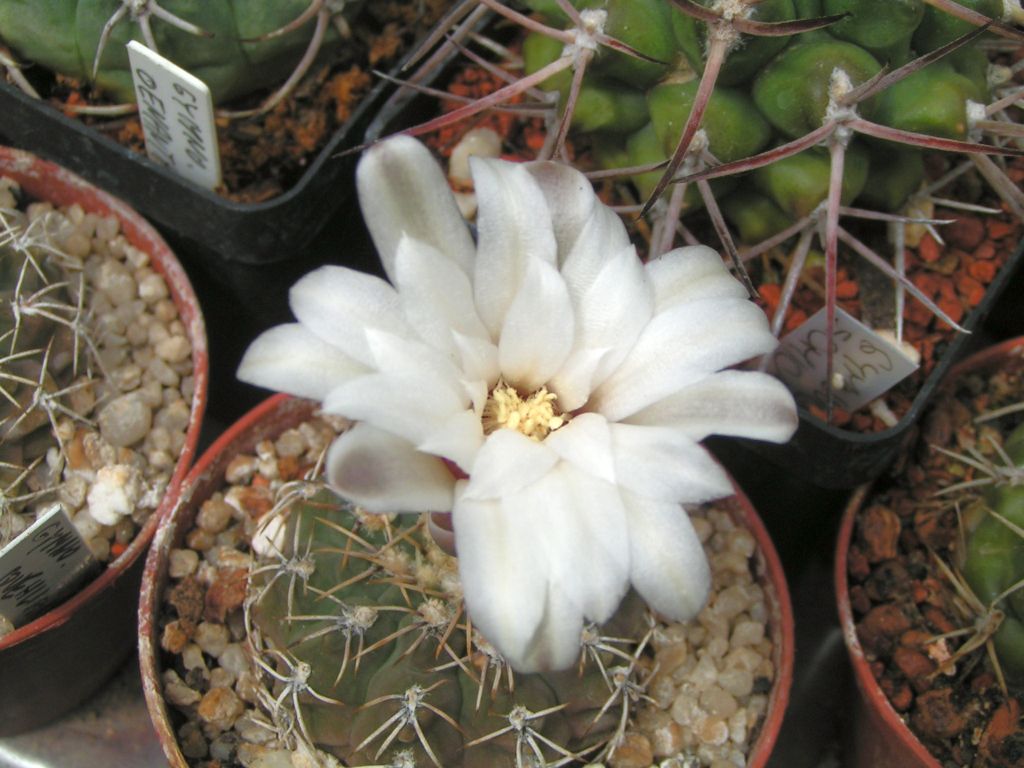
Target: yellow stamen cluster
[{"x": 535, "y": 416}]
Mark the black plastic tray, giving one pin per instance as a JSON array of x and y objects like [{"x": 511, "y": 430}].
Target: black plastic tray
[{"x": 248, "y": 233}]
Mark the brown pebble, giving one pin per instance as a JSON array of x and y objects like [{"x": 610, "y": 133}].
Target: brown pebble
[
  {"x": 187, "y": 598},
  {"x": 881, "y": 625},
  {"x": 857, "y": 564},
  {"x": 220, "y": 707},
  {"x": 226, "y": 593},
  {"x": 913, "y": 664},
  {"x": 176, "y": 635},
  {"x": 964, "y": 232},
  {"x": 879, "y": 532},
  {"x": 935, "y": 715},
  {"x": 634, "y": 752},
  {"x": 998, "y": 741}
]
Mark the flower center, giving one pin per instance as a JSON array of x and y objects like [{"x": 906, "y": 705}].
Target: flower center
[{"x": 535, "y": 415}]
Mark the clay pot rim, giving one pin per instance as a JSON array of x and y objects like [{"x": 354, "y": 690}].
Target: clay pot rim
[
  {"x": 769, "y": 569},
  {"x": 37, "y": 177},
  {"x": 866, "y": 682}
]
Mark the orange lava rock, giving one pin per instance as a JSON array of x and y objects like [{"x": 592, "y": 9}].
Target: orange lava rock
[
  {"x": 998, "y": 229},
  {"x": 879, "y": 533},
  {"x": 901, "y": 698},
  {"x": 929, "y": 249},
  {"x": 857, "y": 564},
  {"x": 972, "y": 291},
  {"x": 1001, "y": 728},
  {"x": 226, "y": 593},
  {"x": 847, "y": 289},
  {"x": 952, "y": 308},
  {"x": 986, "y": 250},
  {"x": 982, "y": 271},
  {"x": 937, "y": 619},
  {"x": 935, "y": 716}
]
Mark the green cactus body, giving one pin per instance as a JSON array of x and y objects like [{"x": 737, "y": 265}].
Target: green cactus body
[
  {"x": 798, "y": 184},
  {"x": 751, "y": 53},
  {"x": 994, "y": 561},
  {"x": 771, "y": 89},
  {"x": 883, "y": 27},
  {"x": 393, "y": 639},
  {"x": 63, "y": 35}
]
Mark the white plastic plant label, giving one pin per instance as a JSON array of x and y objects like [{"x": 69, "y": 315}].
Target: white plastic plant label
[
  {"x": 176, "y": 111},
  {"x": 42, "y": 567},
  {"x": 864, "y": 364}
]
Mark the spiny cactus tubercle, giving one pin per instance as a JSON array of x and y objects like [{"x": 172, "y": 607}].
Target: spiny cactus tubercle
[
  {"x": 386, "y": 668},
  {"x": 72, "y": 283}
]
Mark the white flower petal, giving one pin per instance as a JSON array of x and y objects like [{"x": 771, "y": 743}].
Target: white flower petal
[
  {"x": 513, "y": 226},
  {"x": 537, "y": 334},
  {"x": 738, "y": 403},
  {"x": 288, "y": 358},
  {"x": 505, "y": 586},
  {"x": 403, "y": 192},
  {"x": 409, "y": 357},
  {"x": 437, "y": 297},
  {"x": 339, "y": 304},
  {"x": 681, "y": 346},
  {"x": 586, "y": 443},
  {"x": 602, "y": 234},
  {"x": 668, "y": 566},
  {"x": 667, "y": 465},
  {"x": 508, "y": 462},
  {"x": 575, "y": 379},
  {"x": 687, "y": 274},
  {"x": 404, "y": 404},
  {"x": 479, "y": 358},
  {"x": 590, "y": 556},
  {"x": 570, "y": 198},
  {"x": 384, "y": 473},
  {"x": 458, "y": 439},
  {"x": 614, "y": 309}
]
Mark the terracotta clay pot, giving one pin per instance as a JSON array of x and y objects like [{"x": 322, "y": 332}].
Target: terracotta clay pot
[
  {"x": 880, "y": 737},
  {"x": 279, "y": 413},
  {"x": 52, "y": 664}
]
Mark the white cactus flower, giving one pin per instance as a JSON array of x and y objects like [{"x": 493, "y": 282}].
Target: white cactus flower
[{"x": 541, "y": 384}]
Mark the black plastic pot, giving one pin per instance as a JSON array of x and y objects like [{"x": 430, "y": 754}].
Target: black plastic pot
[
  {"x": 830, "y": 457},
  {"x": 242, "y": 233}
]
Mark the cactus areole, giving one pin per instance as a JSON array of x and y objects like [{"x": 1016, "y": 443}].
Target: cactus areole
[{"x": 567, "y": 383}]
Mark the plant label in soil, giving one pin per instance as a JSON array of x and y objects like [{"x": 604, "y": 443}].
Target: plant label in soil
[
  {"x": 864, "y": 363},
  {"x": 176, "y": 112},
  {"x": 43, "y": 566}
]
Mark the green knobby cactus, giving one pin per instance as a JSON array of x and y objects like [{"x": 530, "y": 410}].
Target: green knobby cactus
[
  {"x": 234, "y": 46},
  {"x": 39, "y": 365},
  {"x": 993, "y": 559},
  {"x": 361, "y": 634},
  {"x": 768, "y": 90}
]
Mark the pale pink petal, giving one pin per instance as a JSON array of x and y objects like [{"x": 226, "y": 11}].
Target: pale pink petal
[
  {"x": 479, "y": 359},
  {"x": 691, "y": 273},
  {"x": 668, "y": 566},
  {"x": 667, "y": 465},
  {"x": 384, "y": 473},
  {"x": 737, "y": 403},
  {"x": 537, "y": 334},
  {"x": 603, "y": 233},
  {"x": 408, "y": 356},
  {"x": 403, "y": 192},
  {"x": 437, "y": 298},
  {"x": 288, "y": 358},
  {"x": 513, "y": 226},
  {"x": 339, "y": 305},
  {"x": 508, "y": 462},
  {"x": 679, "y": 347}
]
